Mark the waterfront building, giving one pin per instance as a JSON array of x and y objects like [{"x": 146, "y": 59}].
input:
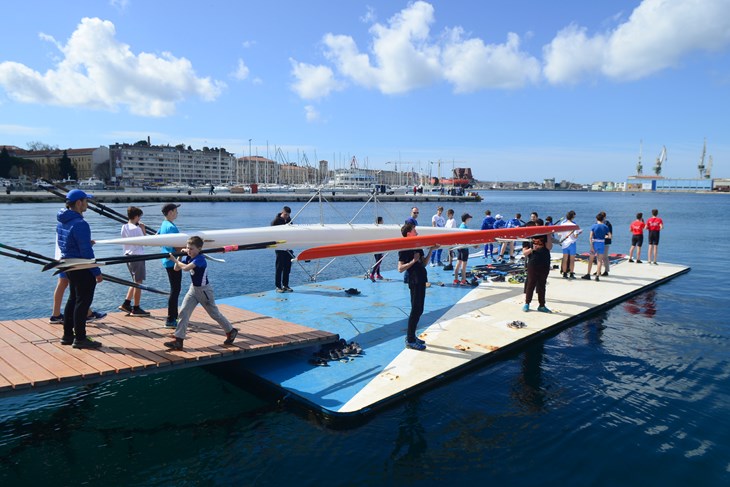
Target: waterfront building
[
  {"x": 87, "y": 161},
  {"x": 660, "y": 183},
  {"x": 135, "y": 164}
]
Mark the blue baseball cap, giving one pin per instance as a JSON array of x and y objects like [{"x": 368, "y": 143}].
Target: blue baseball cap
[{"x": 76, "y": 194}]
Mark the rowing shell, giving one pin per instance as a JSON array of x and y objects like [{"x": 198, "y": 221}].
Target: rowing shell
[
  {"x": 295, "y": 236},
  {"x": 464, "y": 237}
]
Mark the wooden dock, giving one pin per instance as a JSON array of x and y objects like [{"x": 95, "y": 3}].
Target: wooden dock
[{"x": 33, "y": 359}]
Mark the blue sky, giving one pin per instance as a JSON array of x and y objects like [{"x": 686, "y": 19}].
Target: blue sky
[{"x": 519, "y": 90}]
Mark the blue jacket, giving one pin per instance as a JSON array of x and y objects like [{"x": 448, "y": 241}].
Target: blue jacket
[
  {"x": 513, "y": 223},
  {"x": 74, "y": 237},
  {"x": 488, "y": 222}
]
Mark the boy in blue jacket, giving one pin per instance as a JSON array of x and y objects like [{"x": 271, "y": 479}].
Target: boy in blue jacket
[{"x": 74, "y": 241}]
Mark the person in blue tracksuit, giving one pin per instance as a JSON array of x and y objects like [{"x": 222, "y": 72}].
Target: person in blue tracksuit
[
  {"x": 74, "y": 241},
  {"x": 488, "y": 224}
]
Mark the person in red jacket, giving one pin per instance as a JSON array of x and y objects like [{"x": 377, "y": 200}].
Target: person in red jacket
[
  {"x": 654, "y": 225},
  {"x": 637, "y": 237}
]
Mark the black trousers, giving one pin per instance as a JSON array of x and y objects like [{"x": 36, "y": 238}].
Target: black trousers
[
  {"x": 418, "y": 298},
  {"x": 175, "y": 278},
  {"x": 81, "y": 286},
  {"x": 536, "y": 280},
  {"x": 283, "y": 268}
]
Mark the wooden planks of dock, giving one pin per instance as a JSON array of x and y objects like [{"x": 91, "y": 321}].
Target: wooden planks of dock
[{"x": 32, "y": 357}]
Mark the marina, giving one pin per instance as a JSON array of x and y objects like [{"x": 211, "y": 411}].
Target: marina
[{"x": 634, "y": 364}]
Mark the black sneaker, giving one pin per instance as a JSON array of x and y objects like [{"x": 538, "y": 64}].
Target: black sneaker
[
  {"x": 587, "y": 277},
  {"x": 137, "y": 311},
  {"x": 171, "y": 323},
  {"x": 605, "y": 273},
  {"x": 176, "y": 344},
  {"x": 638, "y": 261},
  {"x": 565, "y": 275},
  {"x": 598, "y": 278},
  {"x": 287, "y": 289},
  {"x": 230, "y": 336},
  {"x": 631, "y": 260},
  {"x": 572, "y": 275},
  {"x": 67, "y": 340},
  {"x": 127, "y": 308},
  {"x": 55, "y": 320},
  {"x": 86, "y": 343}
]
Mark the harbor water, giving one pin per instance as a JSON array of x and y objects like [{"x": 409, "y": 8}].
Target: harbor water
[{"x": 635, "y": 395}]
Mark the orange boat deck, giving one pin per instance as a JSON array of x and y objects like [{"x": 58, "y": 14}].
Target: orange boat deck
[{"x": 32, "y": 357}]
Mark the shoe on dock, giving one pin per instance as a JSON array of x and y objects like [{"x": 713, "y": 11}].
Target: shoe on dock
[
  {"x": 127, "y": 308},
  {"x": 56, "y": 320},
  {"x": 415, "y": 345},
  {"x": 137, "y": 311},
  {"x": 96, "y": 315},
  {"x": 526, "y": 308},
  {"x": 170, "y": 323},
  {"x": 230, "y": 336},
  {"x": 543, "y": 309},
  {"x": 86, "y": 343},
  {"x": 587, "y": 277},
  {"x": 176, "y": 344}
]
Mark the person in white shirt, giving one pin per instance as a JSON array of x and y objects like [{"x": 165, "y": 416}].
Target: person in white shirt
[{"x": 437, "y": 221}]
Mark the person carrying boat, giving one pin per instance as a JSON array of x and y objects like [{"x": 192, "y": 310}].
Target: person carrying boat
[
  {"x": 283, "y": 257},
  {"x": 200, "y": 292},
  {"x": 437, "y": 221},
  {"x": 537, "y": 253},
  {"x": 134, "y": 228},
  {"x": 173, "y": 276},
  {"x": 414, "y": 261},
  {"x": 74, "y": 240}
]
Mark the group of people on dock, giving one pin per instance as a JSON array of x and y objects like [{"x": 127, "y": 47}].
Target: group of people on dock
[
  {"x": 74, "y": 241},
  {"x": 536, "y": 251}
]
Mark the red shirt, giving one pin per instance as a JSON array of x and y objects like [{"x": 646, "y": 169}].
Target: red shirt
[
  {"x": 654, "y": 224},
  {"x": 637, "y": 227}
]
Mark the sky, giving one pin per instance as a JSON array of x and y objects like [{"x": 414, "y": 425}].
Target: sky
[{"x": 517, "y": 91}]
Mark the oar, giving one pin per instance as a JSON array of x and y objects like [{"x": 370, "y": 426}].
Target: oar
[
  {"x": 95, "y": 206},
  {"x": 27, "y": 252},
  {"x": 76, "y": 264},
  {"x": 124, "y": 282},
  {"x": 25, "y": 258}
]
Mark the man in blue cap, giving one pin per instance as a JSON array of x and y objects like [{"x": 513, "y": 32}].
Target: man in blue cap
[{"x": 74, "y": 240}]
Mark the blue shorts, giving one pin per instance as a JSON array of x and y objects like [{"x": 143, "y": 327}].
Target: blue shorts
[
  {"x": 570, "y": 249},
  {"x": 599, "y": 247}
]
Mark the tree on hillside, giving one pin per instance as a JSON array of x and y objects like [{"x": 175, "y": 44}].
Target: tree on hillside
[
  {"x": 5, "y": 163},
  {"x": 38, "y": 145},
  {"x": 65, "y": 168}
]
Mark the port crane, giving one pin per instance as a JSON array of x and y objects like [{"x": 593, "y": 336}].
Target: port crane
[{"x": 660, "y": 160}]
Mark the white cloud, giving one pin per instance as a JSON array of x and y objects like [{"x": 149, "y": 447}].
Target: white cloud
[
  {"x": 242, "y": 71},
  {"x": 657, "y": 35},
  {"x": 471, "y": 65},
  {"x": 99, "y": 72},
  {"x": 572, "y": 55},
  {"x": 403, "y": 57},
  {"x": 311, "y": 113},
  {"x": 313, "y": 82}
]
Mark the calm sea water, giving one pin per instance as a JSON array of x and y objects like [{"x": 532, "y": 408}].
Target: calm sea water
[{"x": 636, "y": 395}]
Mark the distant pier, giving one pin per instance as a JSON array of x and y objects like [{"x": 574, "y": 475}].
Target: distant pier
[{"x": 161, "y": 197}]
